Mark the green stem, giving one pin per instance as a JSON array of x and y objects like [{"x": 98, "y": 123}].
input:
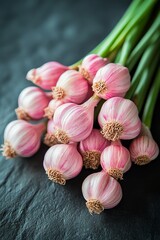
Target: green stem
[
  {"x": 151, "y": 101},
  {"x": 129, "y": 14},
  {"x": 146, "y": 59},
  {"x": 144, "y": 42},
  {"x": 120, "y": 26},
  {"x": 131, "y": 40},
  {"x": 143, "y": 11},
  {"x": 143, "y": 86},
  {"x": 118, "y": 56}
]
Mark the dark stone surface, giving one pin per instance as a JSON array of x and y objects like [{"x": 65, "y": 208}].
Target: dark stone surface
[{"x": 31, "y": 207}]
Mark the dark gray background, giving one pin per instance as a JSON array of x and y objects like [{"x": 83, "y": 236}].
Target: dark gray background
[{"x": 33, "y": 32}]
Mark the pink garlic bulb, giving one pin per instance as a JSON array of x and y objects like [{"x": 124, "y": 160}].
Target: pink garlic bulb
[
  {"x": 91, "y": 149},
  {"x": 62, "y": 162},
  {"x": 73, "y": 122},
  {"x": 90, "y": 65},
  {"x": 49, "y": 138},
  {"x": 22, "y": 138},
  {"x": 101, "y": 192},
  {"x": 112, "y": 80},
  {"x": 71, "y": 87},
  {"x": 47, "y": 75},
  {"x": 143, "y": 150},
  {"x": 115, "y": 160},
  {"x": 145, "y": 131},
  {"x": 52, "y": 106},
  {"x": 32, "y": 101},
  {"x": 119, "y": 119}
]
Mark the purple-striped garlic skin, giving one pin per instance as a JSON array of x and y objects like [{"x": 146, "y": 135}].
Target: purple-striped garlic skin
[
  {"x": 73, "y": 122},
  {"x": 143, "y": 150},
  {"x": 22, "y": 139},
  {"x": 62, "y": 162},
  {"x": 115, "y": 160},
  {"x": 47, "y": 75},
  {"x": 71, "y": 87},
  {"x": 51, "y": 108},
  {"x": 112, "y": 80},
  {"x": 90, "y": 93},
  {"x": 119, "y": 119},
  {"x": 31, "y": 103},
  {"x": 90, "y": 65},
  {"x": 91, "y": 149},
  {"x": 101, "y": 192},
  {"x": 50, "y": 138}
]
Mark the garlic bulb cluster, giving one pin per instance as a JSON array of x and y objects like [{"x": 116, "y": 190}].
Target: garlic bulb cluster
[{"x": 68, "y": 109}]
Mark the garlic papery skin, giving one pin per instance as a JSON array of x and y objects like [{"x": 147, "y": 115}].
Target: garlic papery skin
[
  {"x": 145, "y": 131},
  {"x": 73, "y": 122},
  {"x": 90, "y": 65},
  {"x": 22, "y": 138},
  {"x": 91, "y": 149},
  {"x": 90, "y": 93},
  {"x": 49, "y": 138},
  {"x": 62, "y": 162},
  {"x": 115, "y": 160},
  {"x": 32, "y": 101},
  {"x": 52, "y": 106},
  {"x": 119, "y": 119},
  {"x": 112, "y": 80},
  {"x": 101, "y": 192},
  {"x": 71, "y": 87},
  {"x": 47, "y": 75},
  {"x": 143, "y": 150}
]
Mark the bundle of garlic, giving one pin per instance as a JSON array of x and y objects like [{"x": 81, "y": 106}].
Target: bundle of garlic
[{"x": 90, "y": 107}]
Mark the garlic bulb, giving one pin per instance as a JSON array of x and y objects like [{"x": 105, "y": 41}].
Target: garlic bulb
[
  {"x": 119, "y": 119},
  {"x": 101, "y": 192},
  {"x": 112, "y": 80},
  {"x": 22, "y": 138},
  {"x": 115, "y": 160},
  {"x": 143, "y": 150},
  {"x": 62, "y": 162},
  {"x": 91, "y": 149}
]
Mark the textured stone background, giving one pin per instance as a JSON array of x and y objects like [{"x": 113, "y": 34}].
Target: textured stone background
[{"x": 31, "y": 207}]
